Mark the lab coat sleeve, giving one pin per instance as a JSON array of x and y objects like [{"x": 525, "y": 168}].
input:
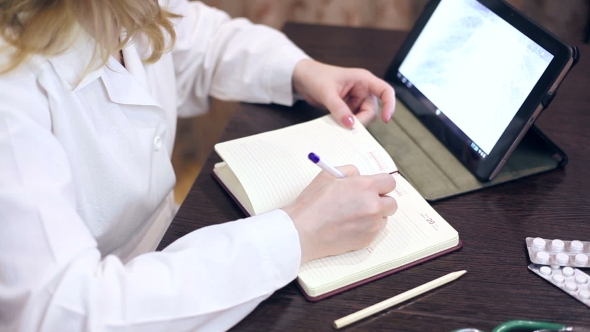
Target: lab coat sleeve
[
  {"x": 230, "y": 59},
  {"x": 53, "y": 278}
]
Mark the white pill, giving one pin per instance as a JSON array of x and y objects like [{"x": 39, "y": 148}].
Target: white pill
[
  {"x": 568, "y": 271},
  {"x": 545, "y": 270},
  {"x": 542, "y": 256},
  {"x": 576, "y": 245},
  {"x": 581, "y": 259},
  {"x": 562, "y": 258},
  {"x": 557, "y": 244},
  {"x": 558, "y": 278},
  {"x": 581, "y": 279},
  {"x": 584, "y": 294},
  {"x": 571, "y": 286},
  {"x": 539, "y": 243}
]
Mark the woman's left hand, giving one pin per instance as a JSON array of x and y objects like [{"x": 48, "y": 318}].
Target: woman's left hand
[{"x": 344, "y": 91}]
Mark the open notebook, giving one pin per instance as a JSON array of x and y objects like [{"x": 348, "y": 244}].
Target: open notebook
[{"x": 267, "y": 171}]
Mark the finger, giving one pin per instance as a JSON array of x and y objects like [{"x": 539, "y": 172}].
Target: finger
[
  {"x": 339, "y": 110},
  {"x": 368, "y": 110},
  {"x": 389, "y": 205},
  {"x": 385, "y": 92},
  {"x": 349, "y": 170},
  {"x": 354, "y": 103},
  {"x": 384, "y": 183}
]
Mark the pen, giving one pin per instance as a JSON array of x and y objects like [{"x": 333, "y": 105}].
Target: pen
[
  {"x": 375, "y": 308},
  {"x": 325, "y": 166}
]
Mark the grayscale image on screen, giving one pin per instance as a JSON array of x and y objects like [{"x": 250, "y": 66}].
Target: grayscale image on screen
[{"x": 475, "y": 68}]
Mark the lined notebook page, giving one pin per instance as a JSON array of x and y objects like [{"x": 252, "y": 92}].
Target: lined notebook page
[
  {"x": 273, "y": 167},
  {"x": 415, "y": 231}
]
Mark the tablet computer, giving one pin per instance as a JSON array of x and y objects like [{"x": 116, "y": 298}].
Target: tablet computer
[{"x": 477, "y": 73}]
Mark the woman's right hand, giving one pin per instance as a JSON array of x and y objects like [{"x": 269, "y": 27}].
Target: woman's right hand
[{"x": 334, "y": 216}]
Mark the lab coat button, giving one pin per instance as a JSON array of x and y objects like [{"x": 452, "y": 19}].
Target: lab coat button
[{"x": 157, "y": 143}]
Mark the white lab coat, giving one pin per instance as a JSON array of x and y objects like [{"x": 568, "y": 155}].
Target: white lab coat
[{"x": 86, "y": 181}]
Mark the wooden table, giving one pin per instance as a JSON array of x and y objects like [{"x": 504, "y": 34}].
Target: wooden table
[{"x": 493, "y": 223}]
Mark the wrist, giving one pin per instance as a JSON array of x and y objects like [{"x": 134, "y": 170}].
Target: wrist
[
  {"x": 299, "y": 78},
  {"x": 304, "y": 243}
]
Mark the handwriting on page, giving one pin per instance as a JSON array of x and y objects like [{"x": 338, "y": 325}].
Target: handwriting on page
[{"x": 275, "y": 169}]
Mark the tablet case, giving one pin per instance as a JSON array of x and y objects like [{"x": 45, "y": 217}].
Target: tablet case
[
  {"x": 435, "y": 172},
  {"x": 427, "y": 164}
]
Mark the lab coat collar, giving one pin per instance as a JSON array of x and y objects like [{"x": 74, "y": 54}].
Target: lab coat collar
[
  {"x": 124, "y": 85},
  {"x": 71, "y": 64}
]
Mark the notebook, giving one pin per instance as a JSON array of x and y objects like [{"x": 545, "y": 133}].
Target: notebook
[{"x": 267, "y": 171}]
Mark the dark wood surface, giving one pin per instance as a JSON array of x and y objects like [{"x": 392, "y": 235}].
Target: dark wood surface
[{"x": 493, "y": 223}]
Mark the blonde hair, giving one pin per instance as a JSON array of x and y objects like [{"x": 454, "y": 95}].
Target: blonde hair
[{"x": 48, "y": 27}]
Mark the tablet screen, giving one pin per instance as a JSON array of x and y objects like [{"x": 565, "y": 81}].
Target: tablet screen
[{"x": 473, "y": 70}]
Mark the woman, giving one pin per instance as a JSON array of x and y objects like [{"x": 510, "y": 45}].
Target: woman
[{"x": 89, "y": 96}]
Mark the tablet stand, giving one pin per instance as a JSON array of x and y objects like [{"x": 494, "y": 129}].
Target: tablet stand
[{"x": 427, "y": 164}]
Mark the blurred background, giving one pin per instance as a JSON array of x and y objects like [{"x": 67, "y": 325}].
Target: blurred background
[{"x": 568, "y": 19}]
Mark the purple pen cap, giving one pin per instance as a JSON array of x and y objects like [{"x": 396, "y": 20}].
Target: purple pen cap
[{"x": 312, "y": 156}]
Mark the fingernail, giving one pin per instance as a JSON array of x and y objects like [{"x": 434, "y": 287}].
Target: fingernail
[
  {"x": 347, "y": 121},
  {"x": 389, "y": 116}
]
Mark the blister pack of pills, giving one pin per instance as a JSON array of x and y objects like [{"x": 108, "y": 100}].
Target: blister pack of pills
[
  {"x": 570, "y": 280},
  {"x": 558, "y": 252}
]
